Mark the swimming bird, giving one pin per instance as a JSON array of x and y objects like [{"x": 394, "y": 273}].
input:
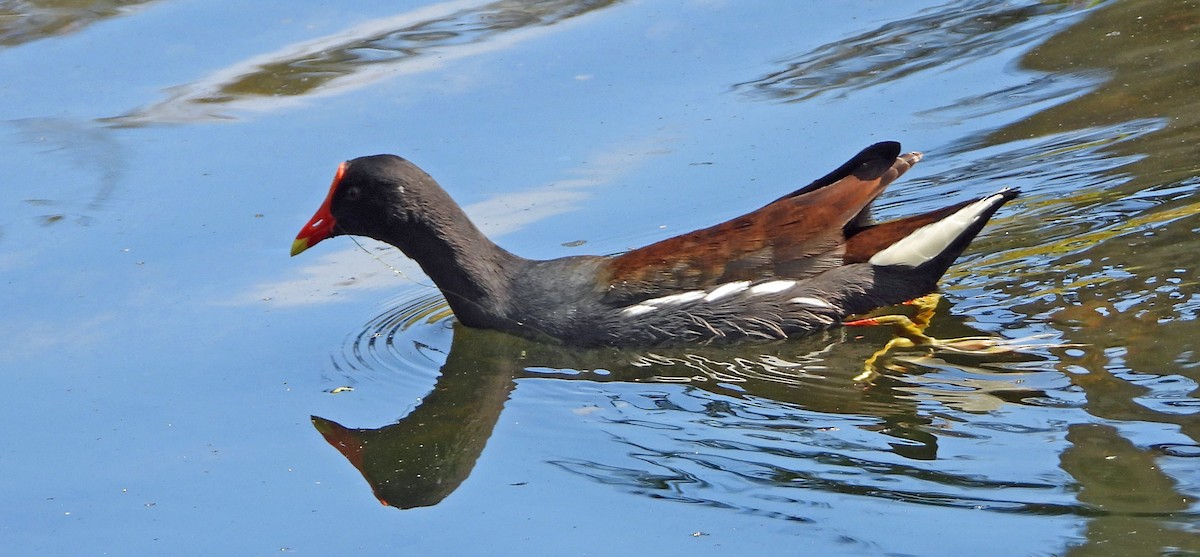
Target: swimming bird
[{"x": 797, "y": 265}]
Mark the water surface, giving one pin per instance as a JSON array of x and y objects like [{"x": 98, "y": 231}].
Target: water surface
[{"x": 164, "y": 358}]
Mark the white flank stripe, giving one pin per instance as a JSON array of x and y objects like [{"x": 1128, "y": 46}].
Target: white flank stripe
[
  {"x": 727, "y": 289},
  {"x": 637, "y": 310},
  {"x": 675, "y": 298},
  {"x": 771, "y": 287},
  {"x": 927, "y": 242},
  {"x": 817, "y": 302}
]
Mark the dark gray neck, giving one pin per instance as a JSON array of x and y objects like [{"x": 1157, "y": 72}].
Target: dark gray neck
[{"x": 474, "y": 274}]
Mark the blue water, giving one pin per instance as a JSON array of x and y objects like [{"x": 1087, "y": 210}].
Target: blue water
[{"x": 163, "y": 355}]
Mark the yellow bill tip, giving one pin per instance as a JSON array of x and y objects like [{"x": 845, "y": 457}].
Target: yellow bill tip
[{"x": 299, "y": 245}]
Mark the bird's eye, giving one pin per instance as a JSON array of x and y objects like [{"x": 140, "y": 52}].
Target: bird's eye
[{"x": 352, "y": 194}]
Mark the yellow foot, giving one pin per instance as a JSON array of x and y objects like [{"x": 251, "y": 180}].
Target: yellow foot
[
  {"x": 910, "y": 335},
  {"x": 926, "y": 307}
]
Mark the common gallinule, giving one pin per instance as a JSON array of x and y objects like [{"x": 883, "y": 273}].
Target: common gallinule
[{"x": 800, "y": 264}]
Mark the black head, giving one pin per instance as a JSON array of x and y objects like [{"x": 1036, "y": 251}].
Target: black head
[{"x": 379, "y": 196}]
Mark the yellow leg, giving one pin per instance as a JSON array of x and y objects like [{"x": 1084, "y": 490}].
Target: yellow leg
[
  {"x": 926, "y": 307},
  {"x": 910, "y": 334},
  {"x": 870, "y": 365}
]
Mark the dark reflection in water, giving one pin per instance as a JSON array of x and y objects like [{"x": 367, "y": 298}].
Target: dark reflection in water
[
  {"x": 1146, "y": 53},
  {"x": 23, "y": 21},
  {"x": 304, "y": 72},
  {"x": 424, "y": 457},
  {"x": 769, "y": 430},
  {"x": 356, "y": 56},
  {"x": 764, "y": 397},
  {"x": 1127, "y": 484},
  {"x": 939, "y": 37},
  {"x": 1115, "y": 264}
]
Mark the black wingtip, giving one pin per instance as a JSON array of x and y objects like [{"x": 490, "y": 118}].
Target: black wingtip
[
  {"x": 880, "y": 156},
  {"x": 883, "y": 149}
]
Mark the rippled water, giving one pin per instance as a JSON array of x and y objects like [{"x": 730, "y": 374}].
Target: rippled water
[{"x": 163, "y": 356}]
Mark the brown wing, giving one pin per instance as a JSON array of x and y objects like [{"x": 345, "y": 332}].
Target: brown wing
[{"x": 798, "y": 235}]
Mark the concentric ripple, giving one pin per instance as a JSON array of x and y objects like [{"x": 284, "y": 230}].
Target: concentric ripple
[{"x": 412, "y": 334}]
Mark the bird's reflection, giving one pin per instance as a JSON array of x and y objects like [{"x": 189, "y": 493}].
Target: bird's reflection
[{"x": 422, "y": 458}]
